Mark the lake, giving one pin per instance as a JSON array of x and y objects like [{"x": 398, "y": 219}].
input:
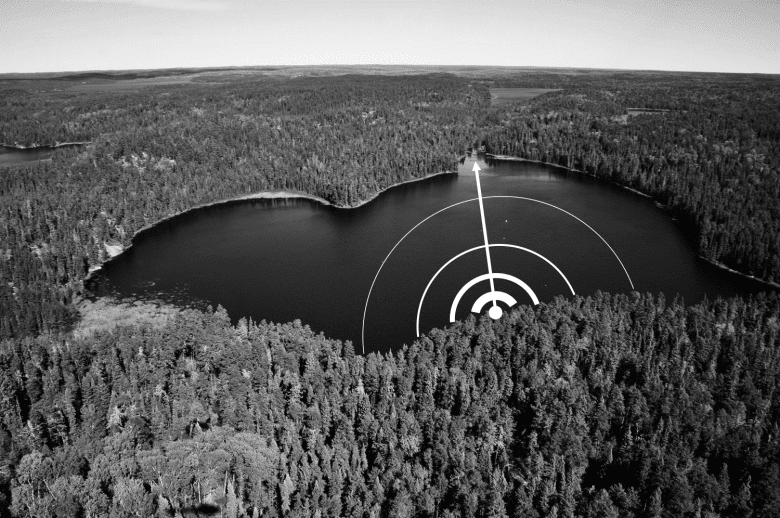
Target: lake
[
  {"x": 10, "y": 156},
  {"x": 550, "y": 231}
]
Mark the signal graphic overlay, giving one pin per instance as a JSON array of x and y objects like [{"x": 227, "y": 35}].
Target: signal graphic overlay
[{"x": 491, "y": 298}]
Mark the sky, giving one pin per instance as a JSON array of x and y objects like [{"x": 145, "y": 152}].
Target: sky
[{"x": 688, "y": 35}]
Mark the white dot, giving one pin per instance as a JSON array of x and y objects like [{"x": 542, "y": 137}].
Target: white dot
[{"x": 495, "y": 312}]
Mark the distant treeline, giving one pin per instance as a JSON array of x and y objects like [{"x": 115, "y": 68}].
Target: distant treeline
[{"x": 601, "y": 407}]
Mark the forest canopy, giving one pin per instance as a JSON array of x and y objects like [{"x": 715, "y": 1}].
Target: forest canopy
[{"x": 604, "y": 406}]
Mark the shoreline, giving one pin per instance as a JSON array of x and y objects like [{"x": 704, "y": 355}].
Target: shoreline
[
  {"x": 722, "y": 266},
  {"x": 510, "y": 158},
  {"x": 19, "y": 147},
  {"x": 261, "y": 195},
  {"x": 717, "y": 264},
  {"x": 375, "y": 196},
  {"x": 287, "y": 195}
]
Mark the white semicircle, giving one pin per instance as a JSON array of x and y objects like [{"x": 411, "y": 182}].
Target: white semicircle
[
  {"x": 487, "y": 298},
  {"x": 484, "y": 277}
]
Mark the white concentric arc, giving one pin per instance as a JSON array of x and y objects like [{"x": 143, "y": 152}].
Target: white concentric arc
[
  {"x": 487, "y": 298},
  {"x": 497, "y": 245},
  {"x": 368, "y": 297},
  {"x": 479, "y": 304}
]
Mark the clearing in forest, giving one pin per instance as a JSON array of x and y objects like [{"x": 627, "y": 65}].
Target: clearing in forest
[{"x": 501, "y": 96}]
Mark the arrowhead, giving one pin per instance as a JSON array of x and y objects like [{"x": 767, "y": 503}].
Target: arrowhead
[{"x": 476, "y": 167}]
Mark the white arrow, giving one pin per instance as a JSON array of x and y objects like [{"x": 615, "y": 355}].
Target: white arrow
[{"x": 494, "y": 312}]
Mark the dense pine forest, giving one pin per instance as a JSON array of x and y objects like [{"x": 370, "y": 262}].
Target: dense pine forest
[
  {"x": 597, "y": 407},
  {"x": 593, "y": 407}
]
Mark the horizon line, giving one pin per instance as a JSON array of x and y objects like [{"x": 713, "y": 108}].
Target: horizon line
[{"x": 333, "y": 65}]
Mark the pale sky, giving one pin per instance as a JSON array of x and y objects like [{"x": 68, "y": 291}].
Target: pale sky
[{"x": 695, "y": 35}]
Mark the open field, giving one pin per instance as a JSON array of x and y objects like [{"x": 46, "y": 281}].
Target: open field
[
  {"x": 106, "y": 314},
  {"x": 501, "y": 96}
]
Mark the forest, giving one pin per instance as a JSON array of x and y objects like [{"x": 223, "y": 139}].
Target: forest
[
  {"x": 610, "y": 406},
  {"x": 711, "y": 158},
  {"x": 596, "y": 407}
]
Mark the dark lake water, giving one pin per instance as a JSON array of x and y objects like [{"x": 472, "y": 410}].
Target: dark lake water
[
  {"x": 12, "y": 156},
  {"x": 282, "y": 260}
]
